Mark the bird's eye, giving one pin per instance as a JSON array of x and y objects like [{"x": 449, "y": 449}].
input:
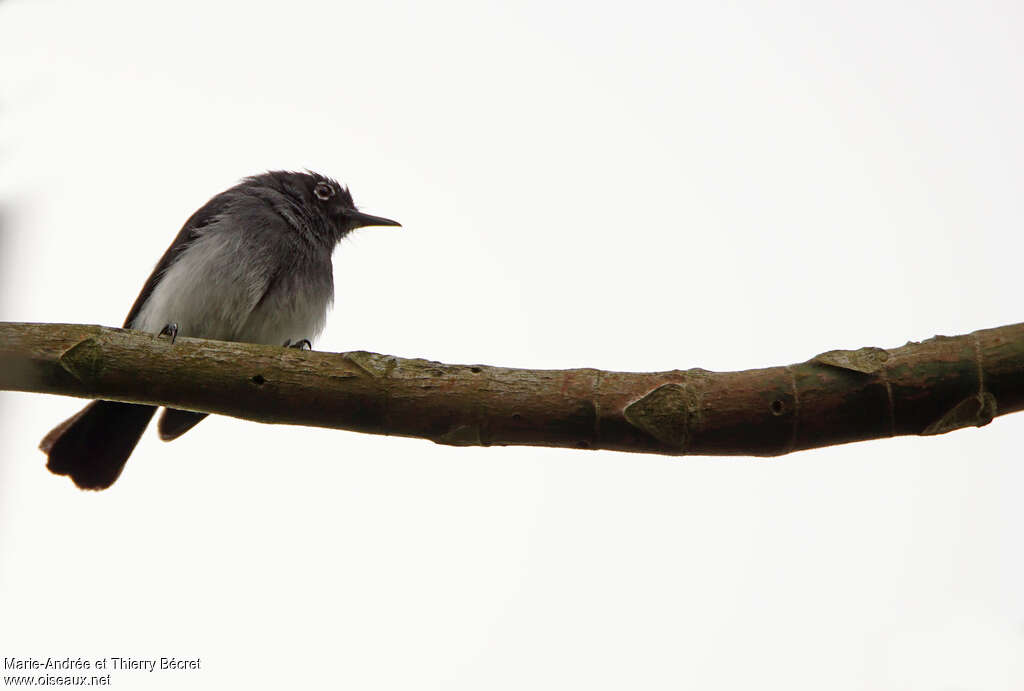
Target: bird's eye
[{"x": 323, "y": 191}]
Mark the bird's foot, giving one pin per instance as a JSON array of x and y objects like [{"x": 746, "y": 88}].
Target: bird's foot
[
  {"x": 169, "y": 330},
  {"x": 304, "y": 344}
]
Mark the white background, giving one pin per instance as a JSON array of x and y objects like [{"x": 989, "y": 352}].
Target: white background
[{"x": 637, "y": 186}]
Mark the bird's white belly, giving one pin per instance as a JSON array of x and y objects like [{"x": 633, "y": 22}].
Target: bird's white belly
[
  {"x": 208, "y": 293},
  {"x": 285, "y": 315}
]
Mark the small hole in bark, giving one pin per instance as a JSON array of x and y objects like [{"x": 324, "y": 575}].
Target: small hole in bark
[
  {"x": 475, "y": 370},
  {"x": 517, "y": 417},
  {"x": 778, "y": 407},
  {"x": 258, "y": 380}
]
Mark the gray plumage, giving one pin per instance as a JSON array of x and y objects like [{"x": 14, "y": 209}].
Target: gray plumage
[{"x": 253, "y": 264}]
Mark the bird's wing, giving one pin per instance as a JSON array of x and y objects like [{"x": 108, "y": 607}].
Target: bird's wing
[{"x": 207, "y": 214}]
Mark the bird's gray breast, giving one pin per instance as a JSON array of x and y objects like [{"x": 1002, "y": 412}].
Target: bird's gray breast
[
  {"x": 294, "y": 306},
  {"x": 238, "y": 284}
]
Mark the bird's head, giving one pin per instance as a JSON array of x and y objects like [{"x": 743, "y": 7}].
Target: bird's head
[{"x": 321, "y": 201}]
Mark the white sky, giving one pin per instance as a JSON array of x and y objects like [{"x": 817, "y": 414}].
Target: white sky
[{"x": 643, "y": 186}]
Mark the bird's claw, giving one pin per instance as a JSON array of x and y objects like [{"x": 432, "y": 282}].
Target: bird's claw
[
  {"x": 170, "y": 329},
  {"x": 304, "y": 344}
]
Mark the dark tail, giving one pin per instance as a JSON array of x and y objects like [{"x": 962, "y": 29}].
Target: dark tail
[
  {"x": 92, "y": 447},
  {"x": 174, "y": 423}
]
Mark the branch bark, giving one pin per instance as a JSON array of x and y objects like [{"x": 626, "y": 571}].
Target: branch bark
[{"x": 932, "y": 387}]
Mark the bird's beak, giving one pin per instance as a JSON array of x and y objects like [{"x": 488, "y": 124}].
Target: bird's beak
[{"x": 357, "y": 219}]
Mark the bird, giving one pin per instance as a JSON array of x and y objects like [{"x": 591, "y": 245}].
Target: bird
[{"x": 253, "y": 265}]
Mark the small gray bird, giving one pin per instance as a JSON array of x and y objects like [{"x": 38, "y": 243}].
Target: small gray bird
[{"x": 253, "y": 264}]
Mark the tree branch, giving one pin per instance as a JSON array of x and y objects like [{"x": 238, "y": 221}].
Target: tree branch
[{"x": 841, "y": 396}]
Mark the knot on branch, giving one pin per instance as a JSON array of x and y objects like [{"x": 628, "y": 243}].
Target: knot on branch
[
  {"x": 864, "y": 360},
  {"x": 462, "y": 435},
  {"x": 974, "y": 411},
  {"x": 664, "y": 413},
  {"x": 84, "y": 360}
]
